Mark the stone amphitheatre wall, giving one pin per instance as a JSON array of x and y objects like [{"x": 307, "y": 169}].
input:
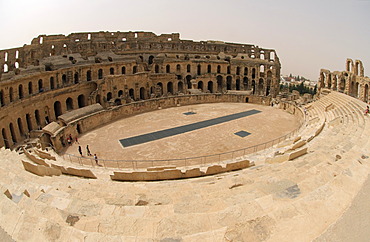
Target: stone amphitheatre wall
[
  {"x": 352, "y": 81},
  {"x": 57, "y": 74}
]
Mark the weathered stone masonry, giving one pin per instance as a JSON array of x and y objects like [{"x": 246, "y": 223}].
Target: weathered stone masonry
[{"x": 56, "y": 74}]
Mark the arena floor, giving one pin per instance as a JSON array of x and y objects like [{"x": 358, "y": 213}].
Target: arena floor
[{"x": 263, "y": 126}]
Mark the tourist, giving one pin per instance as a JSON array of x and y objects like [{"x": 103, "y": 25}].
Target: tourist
[
  {"x": 88, "y": 150},
  {"x": 80, "y": 150},
  {"x": 77, "y": 140},
  {"x": 366, "y": 110},
  {"x": 96, "y": 159},
  {"x": 69, "y": 141}
]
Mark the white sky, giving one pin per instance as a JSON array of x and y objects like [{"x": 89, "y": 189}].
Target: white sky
[{"x": 307, "y": 34}]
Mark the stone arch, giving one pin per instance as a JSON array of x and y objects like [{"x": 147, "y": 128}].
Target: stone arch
[
  {"x": 40, "y": 85},
  {"x": 120, "y": 93},
  {"x": 245, "y": 83},
  {"x": 220, "y": 84},
  {"x": 30, "y": 91},
  {"x": 20, "y": 91},
  {"x": 131, "y": 93},
  {"x": 2, "y": 98},
  {"x": 69, "y": 104},
  {"x": 180, "y": 87},
  {"x": 253, "y": 73},
  {"x": 366, "y": 93},
  {"x": 51, "y": 83},
  {"x": 178, "y": 68},
  {"x": 245, "y": 71},
  {"x": 168, "y": 69},
  {"x": 20, "y": 126},
  {"x": 88, "y": 76},
  {"x": 37, "y": 118},
  {"x": 156, "y": 68},
  {"x": 260, "y": 86},
  {"x": 100, "y": 74},
  {"x": 142, "y": 93},
  {"x": 81, "y": 101},
  {"x": 150, "y": 60},
  {"x": 111, "y": 71},
  {"x": 159, "y": 88},
  {"x": 199, "y": 69},
  {"x": 76, "y": 78},
  {"x": 349, "y": 65},
  {"x": 109, "y": 96},
  {"x": 200, "y": 85},
  {"x": 237, "y": 84},
  {"x": 134, "y": 69},
  {"x": 188, "y": 81},
  {"x": 29, "y": 122},
  {"x": 210, "y": 86},
  {"x": 11, "y": 94},
  {"x": 268, "y": 87},
  {"x": 253, "y": 86},
  {"x": 123, "y": 70},
  {"x": 218, "y": 69},
  {"x": 188, "y": 68},
  {"x": 98, "y": 99},
  {"x": 209, "y": 69},
  {"x": 229, "y": 84},
  {"x": 170, "y": 87}
]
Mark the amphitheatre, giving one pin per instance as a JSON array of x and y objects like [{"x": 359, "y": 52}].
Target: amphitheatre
[{"x": 194, "y": 142}]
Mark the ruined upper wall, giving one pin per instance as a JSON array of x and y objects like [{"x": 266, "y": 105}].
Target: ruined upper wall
[{"x": 120, "y": 43}]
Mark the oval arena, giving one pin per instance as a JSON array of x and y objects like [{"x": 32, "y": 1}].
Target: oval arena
[{"x": 193, "y": 139}]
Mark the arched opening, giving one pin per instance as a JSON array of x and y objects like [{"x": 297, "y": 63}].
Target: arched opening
[
  {"x": 78, "y": 128},
  {"x": 245, "y": 83},
  {"x": 20, "y": 126},
  {"x": 160, "y": 88},
  {"x": 134, "y": 69},
  {"x": 109, "y": 96},
  {"x": 51, "y": 83},
  {"x": 268, "y": 87},
  {"x": 29, "y": 122},
  {"x": 69, "y": 104},
  {"x": 199, "y": 70},
  {"x": 98, "y": 99},
  {"x": 188, "y": 68},
  {"x": 237, "y": 84},
  {"x": 188, "y": 81},
  {"x": 178, "y": 68},
  {"x": 229, "y": 83},
  {"x": 11, "y": 94},
  {"x": 76, "y": 79},
  {"x": 111, "y": 71},
  {"x": 200, "y": 85},
  {"x": 156, "y": 68},
  {"x": 2, "y": 98},
  {"x": 228, "y": 70},
  {"x": 170, "y": 87},
  {"x": 218, "y": 69},
  {"x": 131, "y": 94},
  {"x": 100, "y": 74},
  {"x": 20, "y": 91},
  {"x": 180, "y": 87},
  {"x": 260, "y": 86},
  {"x": 88, "y": 75},
  {"x": 219, "y": 83},
  {"x": 123, "y": 70},
  {"x": 366, "y": 94},
  {"x": 117, "y": 102},
  {"x": 342, "y": 85},
  {"x": 5, "y": 139},
  {"x": 253, "y": 86},
  {"x": 210, "y": 86},
  {"x": 150, "y": 60},
  {"x": 30, "y": 91},
  {"x": 81, "y": 101},
  {"x": 168, "y": 68},
  {"x": 357, "y": 90},
  {"x": 253, "y": 73},
  {"x": 37, "y": 117},
  {"x": 272, "y": 55},
  {"x": 238, "y": 70},
  {"x": 245, "y": 71},
  {"x": 247, "y": 99},
  {"x": 209, "y": 69},
  {"x": 142, "y": 93},
  {"x": 64, "y": 79},
  {"x": 40, "y": 85},
  {"x": 120, "y": 93}
]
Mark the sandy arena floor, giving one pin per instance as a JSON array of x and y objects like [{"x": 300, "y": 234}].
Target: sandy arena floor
[{"x": 267, "y": 125}]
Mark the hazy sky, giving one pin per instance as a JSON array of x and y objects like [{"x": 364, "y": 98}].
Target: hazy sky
[{"x": 307, "y": 35}]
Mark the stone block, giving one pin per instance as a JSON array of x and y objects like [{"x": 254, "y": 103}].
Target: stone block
[
  {"x": 299, "y": 144},
  {"x": 80, "y": 172},
  {"x": 169, "y": 174},
  {"x": 32, "y": 168},
  {"x": 160, "y": 168},
  {"x": 34, "y": 158},
  {"x": 278, "y": 159},
  {"x": 318, "y": 131},
  {"x": 44, "y": 155},
  {"x": 237, "y": 165},
  {"x": 297, "y": 154},
  {"x": 296, "y": 139},
  {"x": 195, "y": 172},
  {"x": 211, "y": 170},
  {"x": 61, "y": 168}
]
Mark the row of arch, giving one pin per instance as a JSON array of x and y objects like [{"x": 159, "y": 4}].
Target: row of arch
[{"x": 19, "y": 130}]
